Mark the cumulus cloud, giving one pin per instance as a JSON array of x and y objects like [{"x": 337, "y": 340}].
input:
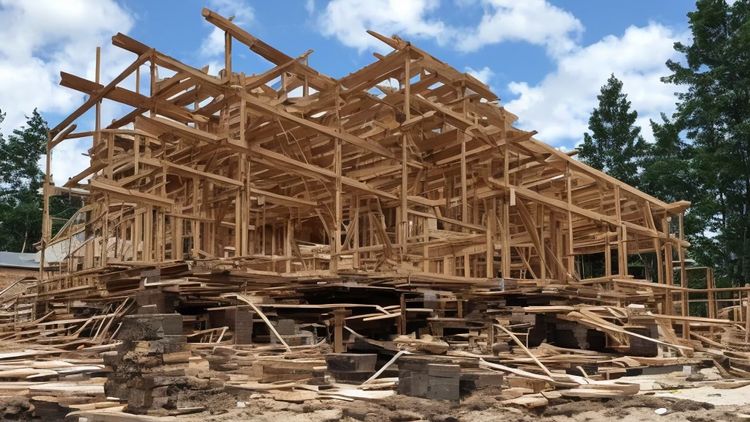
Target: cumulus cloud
[
  {"x": 484, "y": 74},
  {"x": 347, "y": 21},
  {"x": 559, "y": 106},
  {"x": 310, "y": 6},
  {"x": 534, "y": 21},
  {"x": 43, "y": 37}
]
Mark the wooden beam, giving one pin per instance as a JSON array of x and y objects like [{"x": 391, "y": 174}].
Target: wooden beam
[{"x": 92, "y": 100}]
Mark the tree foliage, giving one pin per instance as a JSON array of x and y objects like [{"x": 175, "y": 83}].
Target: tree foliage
[
  {"x": 615, "y": 144},
  {"x": 20, "y": 182},
  {"x": 714, "y": 111},
  {"x": 702, "y": 153},
  {"x": 20, "y": 178}
]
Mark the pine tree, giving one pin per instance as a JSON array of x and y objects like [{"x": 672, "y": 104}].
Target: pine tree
[
  {"x": 714, "y": 109},
  {"x": 667, "y": 163},
  {"x": 615, "y": 143}
]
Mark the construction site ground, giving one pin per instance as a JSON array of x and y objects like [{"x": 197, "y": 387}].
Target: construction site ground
[
  {"x": 680, "y": 395},
  {"x": 668, "y": 405}
]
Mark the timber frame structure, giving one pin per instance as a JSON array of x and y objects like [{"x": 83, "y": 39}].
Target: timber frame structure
[
  {"x": 404, "y": 173},
  {"x": 272, "y": 233}
]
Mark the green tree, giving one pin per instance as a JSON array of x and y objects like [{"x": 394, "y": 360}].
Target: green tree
[
  {"x": 615, "y": 143},
  {"x": 714, "y": 110},
  {"x": 667, "y": 173},
  {"x": 20, "y": 179},
  {"x": 20, "y": 184}
]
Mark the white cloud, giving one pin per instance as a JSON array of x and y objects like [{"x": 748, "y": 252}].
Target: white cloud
[
  {"x": 533, "y": 21},
  {"x": 43, "y": 37},
  {"x": 213, "y": 44},
  {"x": 559, "y": 106},
  {"x": 347, "y": 21},
  {"x": 484, "y": 74}
]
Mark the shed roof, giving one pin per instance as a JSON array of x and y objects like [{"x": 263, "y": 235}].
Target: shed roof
[{"x": 18, "y": 260}]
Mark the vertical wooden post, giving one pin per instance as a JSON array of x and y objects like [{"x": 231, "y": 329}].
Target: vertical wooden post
[
  {"x": 336, "y": 241},
  {"x": 105, "y": 232},
  {"x": 711, "y": 294},
  {"x": 273, "y": 239},
  {"x": 490, "y": 234},
  {"x": 402, "y": 317},
  {"x": 138, "y": 80},
  {"x": 110, "y": 155},
  {"x": 491, "y": 334},
  {"x": 624, "y": 249},
  {"x": 306, "y": 83},
  {"x": 659, "y": 261},
  {"x": 288, "y": 243},
  {"x": 685, "y": 296},
  {"x": 607, "y": 251},
  {"x": 554, "y": 240},
  {"x": 404, "y": 157},
  {"x": 339, "y": 315},
  {"x": 228, "y": 56},
  {"x": 506, "y": 257},
  {"x": 543, "y": 252},
  {"x": 355, "y": 235},
  {"x": 195, "y": 229},
  {"x": 622, "y": 253},
  {"x": 177, "y": 251},
  {"x": 668, "y": 266},
  {"x": 237, "y": 220},
  {"x": 152, "y": 86},
  {"x": 464, "y": 201},
  {"x": 150, "y": 255},
  {"x": 46, "y": 229},
  {"x": 569, "y": 198},
  {"x": 97, "y": 79},
  {"x": 244, "y": 176}
]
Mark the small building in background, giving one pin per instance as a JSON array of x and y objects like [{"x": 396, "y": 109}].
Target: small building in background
[{"x": 17, "y": 265}]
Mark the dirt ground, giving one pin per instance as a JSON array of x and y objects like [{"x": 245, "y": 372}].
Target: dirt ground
[
  {"x": 478, "y": 408},
  {"x": 483, "y": 406}
]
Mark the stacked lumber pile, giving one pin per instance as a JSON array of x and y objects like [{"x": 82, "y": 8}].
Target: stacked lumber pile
[
  {"x": 46, "y": 383},
  {"x": 301, "y": 236},
  {"x": 148, "y": 370}
]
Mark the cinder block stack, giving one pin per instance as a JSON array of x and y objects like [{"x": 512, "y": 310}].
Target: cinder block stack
[
  {"x": 443, "y": 381},
  {"x": 439, "y": 379},
  {"x": 412, "y": 377},
  {"x": 351, "y": 367},
  {"x": 421, "y": 378},
  {"x": 292, "y": 334},
  {"x": 477, "y": 379},
  {"x": 148, "y": 369}
]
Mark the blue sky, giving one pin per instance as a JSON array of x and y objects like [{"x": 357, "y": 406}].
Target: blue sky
[
  {"x": 545, "y": 59},
  {"x": 176, "y": 26}
]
